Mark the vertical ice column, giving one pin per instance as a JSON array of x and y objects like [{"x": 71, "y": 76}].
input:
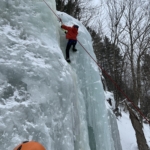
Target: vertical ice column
[{"x": 98, "y": 125}]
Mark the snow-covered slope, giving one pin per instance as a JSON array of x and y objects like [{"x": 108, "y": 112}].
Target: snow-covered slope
[
  {"x": 127, "y": 133},
  {"x": 42, "y": 97}
]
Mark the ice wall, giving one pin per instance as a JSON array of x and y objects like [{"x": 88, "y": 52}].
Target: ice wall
[
  {"x": 42, "y": 97},
  {"x": 114, "y": 130}
]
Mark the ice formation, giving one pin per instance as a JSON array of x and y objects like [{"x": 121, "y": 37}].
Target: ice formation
[{"x": 42, "y": 97}]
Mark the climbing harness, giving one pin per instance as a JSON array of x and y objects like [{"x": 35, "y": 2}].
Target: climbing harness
[{"x": 136, "y": 107}]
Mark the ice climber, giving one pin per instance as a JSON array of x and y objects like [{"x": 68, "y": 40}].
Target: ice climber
[
  {"x": 71, "y": 35},
  {"x": 30, "y": 145}
]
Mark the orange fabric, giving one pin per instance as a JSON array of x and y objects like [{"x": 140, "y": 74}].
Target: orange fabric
[
  {"x": 72, "y": 32},
  {"x": 32, "y": 145}
]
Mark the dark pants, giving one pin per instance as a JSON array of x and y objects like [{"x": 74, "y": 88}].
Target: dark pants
[{"x": 69, "y": 44}]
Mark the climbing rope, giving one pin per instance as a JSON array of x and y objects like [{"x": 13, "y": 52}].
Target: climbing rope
[
  {"x": 52, "y": 11},
  {"x": 136, "y": 107},
  {"x": 116, "y": 85}
]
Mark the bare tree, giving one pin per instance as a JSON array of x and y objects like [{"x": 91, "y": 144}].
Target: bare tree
[
  {"x": 115, "y": 12},
  {"x": 130, "y": 29},
  {"x": 142, "y": 144},
  {"x": 137, "y": 39},
  {"x": 91, "y": 15},
  {"x": 71, "y": 7}
]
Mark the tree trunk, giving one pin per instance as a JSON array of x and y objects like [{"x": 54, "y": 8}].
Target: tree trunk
[{"x": 141, "y": 141}]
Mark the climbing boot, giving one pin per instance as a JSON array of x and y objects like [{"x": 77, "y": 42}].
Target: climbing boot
[
  {"x": 74, "y": 50},
  {"x": 68, "y": 60}
]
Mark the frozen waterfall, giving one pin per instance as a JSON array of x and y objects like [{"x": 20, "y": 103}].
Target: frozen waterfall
[{"x": 42, "y": 97}]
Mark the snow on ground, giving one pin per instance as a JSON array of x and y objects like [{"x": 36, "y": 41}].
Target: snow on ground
[
  {"x": 127, "y": 133},
  {"x": 147, "y": 133}
]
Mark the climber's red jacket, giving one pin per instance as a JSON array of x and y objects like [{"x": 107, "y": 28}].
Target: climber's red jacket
[{"x": 72, "y": 32}]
